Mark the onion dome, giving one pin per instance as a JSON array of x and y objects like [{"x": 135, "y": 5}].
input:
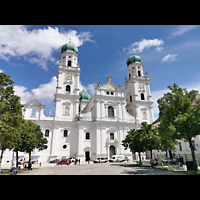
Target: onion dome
[
  {"x": 134, "y": 59},
  {"x": 69, "y": 47},
  {"x": 84, "y": 96}
]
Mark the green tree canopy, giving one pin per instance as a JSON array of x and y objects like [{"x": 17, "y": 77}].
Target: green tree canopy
[
  {"x": 10, "y": 114},
  {"x": 179, "y": 117},
  {"x": 143, "y": 139}
]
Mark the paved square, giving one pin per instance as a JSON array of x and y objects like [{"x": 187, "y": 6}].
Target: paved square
[{"x": 97, "y": 169}]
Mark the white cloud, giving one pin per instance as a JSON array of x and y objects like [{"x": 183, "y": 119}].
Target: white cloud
[
  {"x": 183, "y": 29},
  {"x": 44, "y": 92},
  {"x": 37, "y": 45},
  {"x": 169, "y": 58},
  {"x": 139, "y": 47},
  {"x": 90, "y": 88}
]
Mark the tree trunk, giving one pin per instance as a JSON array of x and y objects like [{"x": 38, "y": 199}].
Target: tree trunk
[
  {"x": 17, "y": 157},
  {"x": 29, "y": 161},
  {"x": 192, "y": 148},
  {"x": 2, "y": 151},
  {"x": 151, "y": 151},
  {"x": 140, "y": 158}
]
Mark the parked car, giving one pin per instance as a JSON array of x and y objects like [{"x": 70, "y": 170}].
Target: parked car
[
  {"x": 101, "y": 160},
  {"x": 66, "y": 161},
  {"x": 73, "y": 159},
  {"x": 55, "y": 161},
  {"x": 117, "y": 158},
  {"x": 173, "y": 161}
]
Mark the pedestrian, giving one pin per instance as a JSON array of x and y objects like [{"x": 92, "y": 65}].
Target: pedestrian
[
  {"x": 152, "y": 163},
  {"x": 79, "y": 161},
  {"x": 13, "y": 169}
]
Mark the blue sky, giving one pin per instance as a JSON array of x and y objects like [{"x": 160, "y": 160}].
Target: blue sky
[{"x": 30, "y": 54}]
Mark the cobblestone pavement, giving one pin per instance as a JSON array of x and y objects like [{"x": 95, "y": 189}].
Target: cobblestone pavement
[{"x": 97, "y": 169}]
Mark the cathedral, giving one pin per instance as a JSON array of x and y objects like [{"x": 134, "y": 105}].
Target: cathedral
[{"x": 86, "y": 127}]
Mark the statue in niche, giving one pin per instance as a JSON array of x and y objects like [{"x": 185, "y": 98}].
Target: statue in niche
[{"x": 67, "y": 110}]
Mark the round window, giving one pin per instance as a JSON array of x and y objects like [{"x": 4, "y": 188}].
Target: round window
[{"x": 64, "y": 146}]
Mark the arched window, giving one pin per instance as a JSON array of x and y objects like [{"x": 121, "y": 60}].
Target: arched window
[
  {"x": 139, "y": 73},
  {"x": 46, "y": 133},
  {"x": 142, "y": 96},
  {"x": 130, "y": 98},
  {"x": 110, "y": 111},
  {"x": 68, "y": 88},
  {"x": 69, "y": 63},
  {"x": 33, "y": 114},
  {"x": 65, "y": 133},
  {"x": 129, "y": 75}
]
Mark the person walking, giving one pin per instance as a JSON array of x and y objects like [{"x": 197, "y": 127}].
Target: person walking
[{"x": 152, "y": 163}]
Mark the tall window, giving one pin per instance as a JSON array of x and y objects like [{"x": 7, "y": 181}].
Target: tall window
[
  {"x": 112, "y": 137},
  {"x": 46, "y": 133},
  {"x": 180, "y": 146},
  {"x": 65, "y": 133},
  {"x": 87, "y": 136},
  {"x": 142, "y": 96},
  {"x": 68, "y": 88},
  {"x": 110, "y": 111},
  {"x": 33, "y": 114},
  {"x": 139, "y": 73},
  {"x": 130, "y": 98},
  {"x": 69, "y": 63}
]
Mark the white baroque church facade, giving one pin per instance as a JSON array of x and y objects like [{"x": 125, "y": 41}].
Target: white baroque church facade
[{"x": 85, "y": 127}]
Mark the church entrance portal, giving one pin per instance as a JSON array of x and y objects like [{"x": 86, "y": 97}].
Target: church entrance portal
[
  {"x": 112, "y": 150},
  {"x": 87, "y": 155}
]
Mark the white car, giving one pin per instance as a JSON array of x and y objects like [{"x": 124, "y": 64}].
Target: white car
[
  {"x": 117, "y": 158},
  {"x": 73, "y": 159},
  {"x": 101, "y": 160}
]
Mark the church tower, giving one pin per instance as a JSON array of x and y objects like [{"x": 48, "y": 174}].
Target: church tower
[
  {"x": 138, "y": 96},
  {"x": 67, "y": 90}
]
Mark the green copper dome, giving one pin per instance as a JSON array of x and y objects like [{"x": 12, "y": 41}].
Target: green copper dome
[
  {"x": 69, "y": 48},
  {"x": 134, "y": 59},
  {"x": 84, "y": 96}
]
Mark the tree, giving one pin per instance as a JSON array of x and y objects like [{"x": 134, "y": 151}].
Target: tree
[
  {"x": 40, "y": 138},
  {"x": 179, "y": 116},
  {"x": 28, "y": 138},
  {"x": 150, "y": 137},
  {"x": 31, "y": 138},
  {"x": 134, "y": 142},
  {"x": 10, "y": 114},
  {"x": 144, "y": 139}
]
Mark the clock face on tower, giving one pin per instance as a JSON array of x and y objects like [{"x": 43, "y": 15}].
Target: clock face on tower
[
  {"x": 68, "y": 76},
  {"x": 141, "y": 85}
]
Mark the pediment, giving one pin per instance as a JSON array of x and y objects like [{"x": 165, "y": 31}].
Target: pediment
[
  {"x": 109, "y": 86},
  {"x": 34, "y": 103}
]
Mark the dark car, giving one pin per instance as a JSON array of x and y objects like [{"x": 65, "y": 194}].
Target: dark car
[{"x": 55, "y": 161}]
